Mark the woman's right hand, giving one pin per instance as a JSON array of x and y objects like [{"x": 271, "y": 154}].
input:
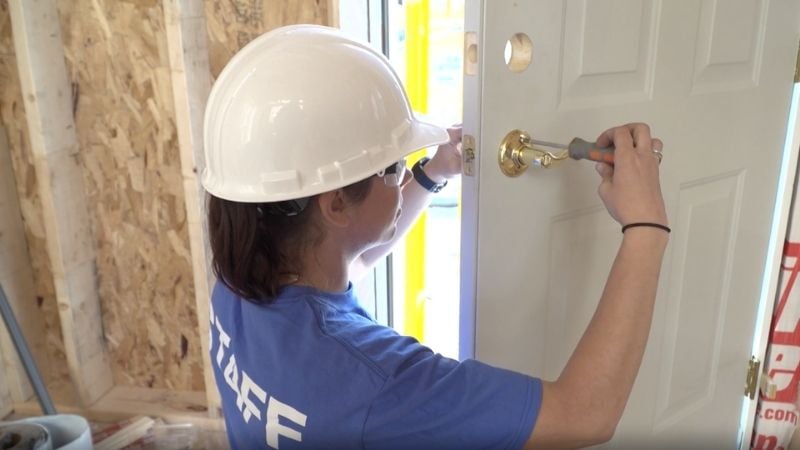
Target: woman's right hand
[{"x": 631, "y": 188}]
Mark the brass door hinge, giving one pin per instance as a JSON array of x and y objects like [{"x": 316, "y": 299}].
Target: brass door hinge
[{"x": 751, "y": 385}]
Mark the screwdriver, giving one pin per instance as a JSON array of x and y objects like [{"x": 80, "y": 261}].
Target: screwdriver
[{"x": 581, "y": 149}]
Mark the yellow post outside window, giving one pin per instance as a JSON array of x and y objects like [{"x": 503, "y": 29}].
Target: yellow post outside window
[{"x": 417, "y": 41}]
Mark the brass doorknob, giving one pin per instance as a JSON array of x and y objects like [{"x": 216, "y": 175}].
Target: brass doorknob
[{"x": 517, "y": 154}]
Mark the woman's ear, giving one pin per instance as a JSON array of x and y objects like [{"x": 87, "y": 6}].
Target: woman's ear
[{"x": 334, "y": 208}]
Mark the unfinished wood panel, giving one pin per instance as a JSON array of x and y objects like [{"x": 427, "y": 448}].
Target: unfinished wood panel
[
  {"x": 234, "y": 23},
  {"x": 12, "y": 116},
  {"x": 46, "y": 93},
  {"x": 116, "y": 58},
  {"x": 6, "y": 405},
  {"x": 191, "y": 82},
  {"x": 118, "y": 61},
  {"x": 12, "y": 372},
  {"x": 124, "y": 402},
  {"x": 16, "y": 278}
]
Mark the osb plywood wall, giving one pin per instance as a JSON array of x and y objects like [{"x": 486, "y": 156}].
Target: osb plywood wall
[
  {"x": 12, "y": 116},
  {"x": 234, "y": 23},
  {"x": 116, "y": 55}
]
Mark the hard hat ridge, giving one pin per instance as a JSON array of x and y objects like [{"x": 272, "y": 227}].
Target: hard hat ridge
[{"x": 303, "y": 110}]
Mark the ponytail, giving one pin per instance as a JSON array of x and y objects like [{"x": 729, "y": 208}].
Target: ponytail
[{"x": 254, "y": 250}]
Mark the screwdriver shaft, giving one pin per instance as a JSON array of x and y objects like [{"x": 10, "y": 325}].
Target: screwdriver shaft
[{"x": 549, "y": 144}]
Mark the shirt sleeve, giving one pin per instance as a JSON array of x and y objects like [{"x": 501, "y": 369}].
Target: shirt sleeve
[{"x": 435, "y": 402}]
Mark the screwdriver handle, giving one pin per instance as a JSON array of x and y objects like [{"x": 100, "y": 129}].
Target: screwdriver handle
[{"x": 580, "y": 149}]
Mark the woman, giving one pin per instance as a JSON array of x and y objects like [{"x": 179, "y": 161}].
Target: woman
[{"x": 306, "y": 133}]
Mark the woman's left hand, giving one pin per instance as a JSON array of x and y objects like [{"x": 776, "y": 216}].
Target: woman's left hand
[{"x": 446, "y": 163}]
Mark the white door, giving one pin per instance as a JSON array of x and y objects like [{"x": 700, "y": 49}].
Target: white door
[{"x": 713, "y": 78}]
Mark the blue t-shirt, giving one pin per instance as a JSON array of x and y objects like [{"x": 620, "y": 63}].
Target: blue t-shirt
[{"x": 313, "y": 370}]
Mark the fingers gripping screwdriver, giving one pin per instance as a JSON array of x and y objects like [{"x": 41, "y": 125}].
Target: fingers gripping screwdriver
[{"x": 581, "y": 149}]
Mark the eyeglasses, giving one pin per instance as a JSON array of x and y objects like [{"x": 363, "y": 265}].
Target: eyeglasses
[{"x": 395, "y": 174}]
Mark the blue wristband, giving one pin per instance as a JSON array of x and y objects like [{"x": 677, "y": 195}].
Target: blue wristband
[{"x": 423, "y": 179}]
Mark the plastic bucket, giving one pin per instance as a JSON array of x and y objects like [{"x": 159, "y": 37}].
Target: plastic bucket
[
  {"x": 63, "y": 432},
  {"x": 24, "y": 436}
]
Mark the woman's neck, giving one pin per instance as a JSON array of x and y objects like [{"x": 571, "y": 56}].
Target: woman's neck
[{"x": 326, "y": 268}]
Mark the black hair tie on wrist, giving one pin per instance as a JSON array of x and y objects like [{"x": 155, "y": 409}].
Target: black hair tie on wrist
[{"x": 646, "y": 224}]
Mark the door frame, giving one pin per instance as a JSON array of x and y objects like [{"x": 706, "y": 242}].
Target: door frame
[
  {"x": 472, "y": 101},
  {"x": 772, "y": 266}
]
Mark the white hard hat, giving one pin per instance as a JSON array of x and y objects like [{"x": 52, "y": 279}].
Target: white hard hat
[{"x": 303, "y": 110}]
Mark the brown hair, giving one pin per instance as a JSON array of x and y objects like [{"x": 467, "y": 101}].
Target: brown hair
[{"x": 253, "y": 248}]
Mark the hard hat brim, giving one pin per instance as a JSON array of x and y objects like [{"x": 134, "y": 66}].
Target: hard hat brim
[
  {"x": 425, "y": 135},
  {"x": 420, "y": 135}
]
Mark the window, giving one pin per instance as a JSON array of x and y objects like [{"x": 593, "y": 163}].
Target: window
[{"x": 424, "y": 41}]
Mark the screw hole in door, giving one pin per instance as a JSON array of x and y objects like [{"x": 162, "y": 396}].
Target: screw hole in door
[{"x": 518, "y": 52}]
